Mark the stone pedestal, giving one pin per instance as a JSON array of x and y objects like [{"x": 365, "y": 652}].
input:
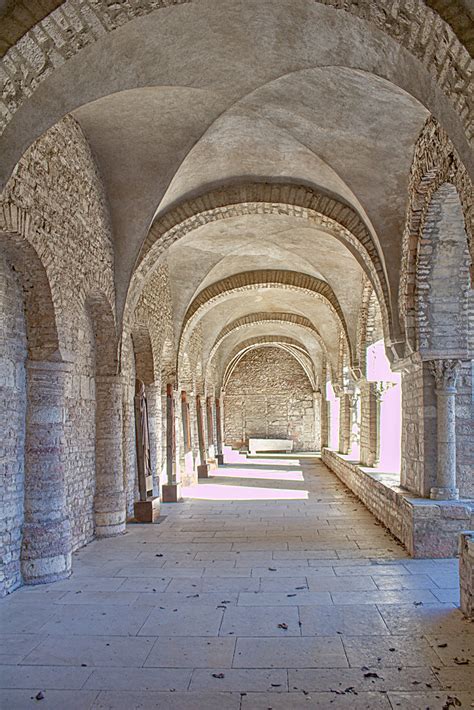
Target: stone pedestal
[
  {"x": 109, "y": 501},
  {"x": 147, "y": 511},
  {"x": 46, "y": 545},
  {"x": 220, "y": 459},
  {"x": 203, "y": 470},
  {"x": 171, "y": 493},
  {"x": 445, "y": 374}
]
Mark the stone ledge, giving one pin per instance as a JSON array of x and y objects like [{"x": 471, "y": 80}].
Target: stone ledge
[{"x": 425, "y": 527}]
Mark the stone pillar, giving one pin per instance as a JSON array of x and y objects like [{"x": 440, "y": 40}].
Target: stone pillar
[
  {"x": 220, "y": 451},
  {"x": 211, "y": 449},
  {"x": 186, "y": 423},
  {"x": 370, "y": 424},
  {"x": 318, "y": 405},
  {"x": 171, "y": 491},
  {"x": 153, "y": 398},
  {"x": 46, "y": 545},
  {"x": 324, "y": 422},
  {"x": 345, "y": 423},
  {"x": 203, "y": 468},
  {"x": 109, "y": 500},
  {"x": 445, "y": 373}
]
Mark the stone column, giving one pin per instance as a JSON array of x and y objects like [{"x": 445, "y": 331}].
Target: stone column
[
  {"x": 445, "y": 373},
  {"x": 171, "y": 491},
  {"x": 109, "y": 501},
  {"x": 318, "y": 405},
  {"x": 324, "y": 422},
  {"x": 370, "y": 424},
  {"x": 345, "y": 423},
  {"x": 46, "y": 545},
  {"x": 153, "y": 398},
  {"x": 220, "y": 452},
  {"x": 211, "y": 449},
  {"x": 203, "y": 468}
]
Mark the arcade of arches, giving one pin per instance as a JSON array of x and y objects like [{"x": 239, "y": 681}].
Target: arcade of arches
[{"x": 259, "y": 215}]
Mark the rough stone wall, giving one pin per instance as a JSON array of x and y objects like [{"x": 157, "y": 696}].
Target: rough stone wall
[
  {"x": 465, "y": 430},
  {"x": 269, "y": 395},
  {"x": 12, "y": 416},
  {"x": 418, "y": 461},
  {"x": 466, "y": 573},
  {"x": 443, "y": 278},
  {"x": 57, "y": 190}
]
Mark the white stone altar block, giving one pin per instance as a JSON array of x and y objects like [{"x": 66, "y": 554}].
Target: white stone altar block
[{"x": 259, "y": 445}]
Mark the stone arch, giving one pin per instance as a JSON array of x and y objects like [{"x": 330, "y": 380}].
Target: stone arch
[
  {"x": 290, "y": 345},
  {"x": 42, "y": 329},
  {"x": 301, "y": 202},
  {"x": 73, "y": 26},
  {"x": 443, "y": 280},
  {"x": 260, "y": 318},
  {"x": 249, "y": 280},
  {"x": 435, "y": 162}
]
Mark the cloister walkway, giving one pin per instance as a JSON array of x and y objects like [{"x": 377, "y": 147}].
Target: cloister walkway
[{"x": 269, "y": 587}]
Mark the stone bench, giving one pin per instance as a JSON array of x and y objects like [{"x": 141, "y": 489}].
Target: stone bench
[
  {"x": 466, "y": 572},
  {"x": 260, "y": 445}
]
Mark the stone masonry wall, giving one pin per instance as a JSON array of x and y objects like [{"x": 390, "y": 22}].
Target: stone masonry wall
[
  {"x": 58, "y": 193},
  {"x": 12, "y": 416},
  {"x": 269, "y": 395}
]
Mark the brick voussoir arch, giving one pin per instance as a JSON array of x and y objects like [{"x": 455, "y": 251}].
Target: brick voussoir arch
[
  {"x": 77, "y": 24},
  {"x": 43, "y": 333},
  {"x": 261, "y": 278},
  {"x": 435, "y": 162},
  {"x": 289, "y": 199},
  {"x": 290, "y": 345},
  {"x": 264, "y": 318}
]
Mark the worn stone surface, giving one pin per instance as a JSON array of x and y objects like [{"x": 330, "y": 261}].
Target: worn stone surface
[{"x": 234, "y": 570}]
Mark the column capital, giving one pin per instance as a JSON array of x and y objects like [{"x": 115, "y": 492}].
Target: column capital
[{"x": 445, "y": 373}]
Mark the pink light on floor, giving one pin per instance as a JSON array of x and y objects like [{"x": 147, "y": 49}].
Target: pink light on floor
[
  {"x": 217, "y": 491},
  {"x": 265, "y": 474}
]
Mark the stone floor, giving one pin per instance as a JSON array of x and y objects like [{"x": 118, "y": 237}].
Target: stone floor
[{"x": 270, "y": 587}]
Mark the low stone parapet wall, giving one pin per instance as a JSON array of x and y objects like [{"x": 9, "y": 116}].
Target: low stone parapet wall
[
  {"x": 427, "y": 528},
  {"x": 466, "y": 572}
]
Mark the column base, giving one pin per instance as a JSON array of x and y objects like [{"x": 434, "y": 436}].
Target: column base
[
  {"x": 437, "y": 493},
  {"x": 46, "y": 569},
  {"x": 220, "y": 459},
  {"x": 171, "y": 493},
  {"x": 147, "y": 511},
  {"x": 110, "y": 514},
  {"x": 203, "y": 470}
]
